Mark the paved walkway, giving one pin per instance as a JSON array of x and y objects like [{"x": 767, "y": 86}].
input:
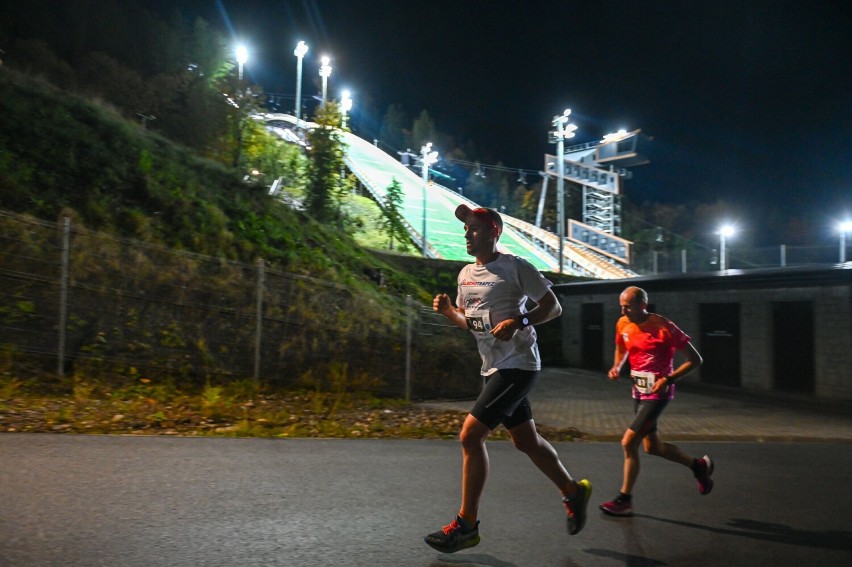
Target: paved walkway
[{"x": 601, "y": 409}]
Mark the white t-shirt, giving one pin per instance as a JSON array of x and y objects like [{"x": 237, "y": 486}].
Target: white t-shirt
[{"x": 493, "y": 293}]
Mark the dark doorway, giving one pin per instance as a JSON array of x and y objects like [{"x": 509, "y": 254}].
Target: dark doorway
[
  {"x": 793, "y": 359},
  {"x": 550, "y": 343},
  {"x": 592, "y": 322},
  {"x": 720, "y": 343}
]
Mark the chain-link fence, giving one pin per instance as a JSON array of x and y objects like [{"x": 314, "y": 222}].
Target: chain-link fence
[{"x": 81, "y": 305}]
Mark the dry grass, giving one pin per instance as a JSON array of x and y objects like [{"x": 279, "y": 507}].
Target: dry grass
[{"x": 213, "y": 413}]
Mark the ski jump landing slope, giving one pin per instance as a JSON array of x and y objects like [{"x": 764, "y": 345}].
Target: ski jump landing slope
[{"x": 444, "y": 233}]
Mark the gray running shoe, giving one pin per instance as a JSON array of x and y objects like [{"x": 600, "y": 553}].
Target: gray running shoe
[{"x": 453, "y": 537}]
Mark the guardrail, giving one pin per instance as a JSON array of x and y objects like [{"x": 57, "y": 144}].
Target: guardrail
[{"x": 587, "y": 261}]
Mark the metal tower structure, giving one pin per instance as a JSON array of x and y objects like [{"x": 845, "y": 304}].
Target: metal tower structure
[{"x": 592, "y": 166}]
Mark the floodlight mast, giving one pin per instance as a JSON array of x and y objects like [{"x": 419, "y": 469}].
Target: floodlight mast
[
  {"x": 345, "y": 106},
  {"x": 725, "y": 232},
  {"x": 563, "y": 130},
  {"x": 843, "y": 228},
  {"x": 427, "y": 158},
  {"x": 325, "y": 73},
  {"x": 299, "y": 52},
  {"x": 242, "y": 57}
]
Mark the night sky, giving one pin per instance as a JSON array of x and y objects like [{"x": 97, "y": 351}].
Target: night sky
[{"x": 745, "y": 101}]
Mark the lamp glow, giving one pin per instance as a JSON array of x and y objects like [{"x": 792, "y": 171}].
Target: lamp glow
[
  {"x": 725, "y": 232},
  {"x": 242, "y": 57},
  {"x": 843, "y": 228},
  {"x": 299, "y": 52},
  {"x": 325, "y": 73},
  {"x": 345, "y": 106}
]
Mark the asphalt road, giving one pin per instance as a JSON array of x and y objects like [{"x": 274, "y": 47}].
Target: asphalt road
[{"x": 186, "y": 502}]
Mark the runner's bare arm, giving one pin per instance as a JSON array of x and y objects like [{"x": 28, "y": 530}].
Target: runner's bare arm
[
  {"x": 618, "y": 361},
  {"x": 693, "y": 361},
  {"x": 444, "y": 306},
  {"x": 546, "y": 308}
]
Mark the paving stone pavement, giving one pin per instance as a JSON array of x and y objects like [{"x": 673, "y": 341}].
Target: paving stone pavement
[{"x": 602, "y": 409}]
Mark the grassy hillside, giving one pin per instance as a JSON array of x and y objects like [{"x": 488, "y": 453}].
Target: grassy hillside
[{"x": 60, "y": 154}]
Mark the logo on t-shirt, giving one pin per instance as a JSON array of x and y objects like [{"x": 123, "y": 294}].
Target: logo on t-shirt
[{"x": 480, "y": 284}]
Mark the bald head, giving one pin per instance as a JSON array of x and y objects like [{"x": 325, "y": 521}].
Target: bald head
[
  {"x": 634, "y": 304},
  {"x": 635, "y": 294}
]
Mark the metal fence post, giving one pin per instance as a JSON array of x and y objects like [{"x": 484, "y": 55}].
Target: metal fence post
[
  {"x": 63, "y": 297},
  {"x": 409, "y": 304},
  {"x": 259, "y": 317}
]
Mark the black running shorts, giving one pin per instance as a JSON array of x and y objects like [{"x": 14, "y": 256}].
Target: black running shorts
[
  {"x": 647, "y": 412},
  {"x": 504, "y": 398}
]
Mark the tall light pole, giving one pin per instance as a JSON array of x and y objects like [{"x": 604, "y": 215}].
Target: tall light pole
[
  {"x": 345, "y": 106},
  {"x": 242, "y": 57},
  {"x": 427, "y": 158},
  {"x": 325, "y": 73},
  {"x": 563, "y": 130},
  {"x": 844, "y": 227},
  {"x": 299, "y": 52},
  {"x": 725, "y": 232}
]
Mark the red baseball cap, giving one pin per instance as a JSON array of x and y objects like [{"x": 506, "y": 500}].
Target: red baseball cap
[{"x": 489, "y": 216}]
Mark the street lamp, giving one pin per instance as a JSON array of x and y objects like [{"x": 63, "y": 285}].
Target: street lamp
[
  {"x": 563, "y": 131},
  {"x": 345, "y": 106},
  {"x": 427, "y": 158},
  {"x": 844, "y": 227},
  {"x": 299, "y": 52},
  {"x": 325, "y": 72},
  {"x": 242, "y": 57},
  {"x": 725, "y": 232}
]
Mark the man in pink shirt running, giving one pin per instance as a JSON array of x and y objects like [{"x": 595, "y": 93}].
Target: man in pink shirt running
[{"x": 648, "y": 342}]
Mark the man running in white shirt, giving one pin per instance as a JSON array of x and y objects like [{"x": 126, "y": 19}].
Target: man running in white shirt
[{"x": 491, "y": 303}]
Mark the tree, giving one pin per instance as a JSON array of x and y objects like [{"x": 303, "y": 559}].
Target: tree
[
  {"x": 108, "y": 78},
  {"x": 392, "y": 223},
  {"x": 270, "y": 156},
  {"x": 525, "y": 201},
  {"x": 502, "y": 198},
  {"x": 423, "y": 130},
  {"x": 392, "y": 131},
  {"x": 325, "y": 187}
]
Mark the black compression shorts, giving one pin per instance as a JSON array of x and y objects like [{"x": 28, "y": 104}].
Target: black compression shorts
[
  {"x": 647, "y": 412},
  {"x": 504, "y": 398}
]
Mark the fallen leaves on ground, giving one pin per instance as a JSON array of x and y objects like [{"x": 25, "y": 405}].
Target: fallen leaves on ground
[{"x": 286, "y": 415}]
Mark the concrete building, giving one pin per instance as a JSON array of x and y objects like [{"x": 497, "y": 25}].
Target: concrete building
[{"x": 783, "y": 330}]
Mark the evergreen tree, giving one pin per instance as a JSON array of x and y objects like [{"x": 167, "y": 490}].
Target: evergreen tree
[
  {"x": 392, "y": 223},
  {"x": 392, "y": 131},
  {"x": 423, "y": 130},
  {"x": 325, "y": 186}
]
